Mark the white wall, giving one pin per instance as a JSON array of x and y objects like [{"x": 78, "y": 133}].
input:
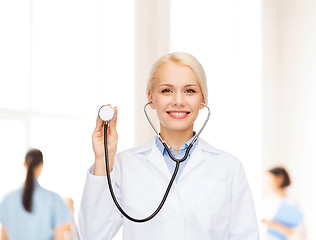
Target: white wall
[
  {"x": 225, "y": 36},
  {"x": 151, "y": 42},
  {"x": 289, "y": 63}
]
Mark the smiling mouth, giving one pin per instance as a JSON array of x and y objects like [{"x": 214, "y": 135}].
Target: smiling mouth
[{"x": 178, "y": 114}]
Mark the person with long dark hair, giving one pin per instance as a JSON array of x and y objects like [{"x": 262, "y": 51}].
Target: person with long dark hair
[{"x": 32, "y": 212}]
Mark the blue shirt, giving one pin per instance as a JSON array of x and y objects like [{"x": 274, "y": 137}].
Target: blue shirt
[
  {"x": 172, "y": 164},
  {"x": 48, "y": 211}
]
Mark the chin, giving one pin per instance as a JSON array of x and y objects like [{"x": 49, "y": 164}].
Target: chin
[{"x": 177, "y": 128}]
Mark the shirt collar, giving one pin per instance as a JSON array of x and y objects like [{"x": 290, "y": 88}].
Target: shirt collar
[
  {"x": 182, "y": 148},
  {"x": 37, "y": 183}
]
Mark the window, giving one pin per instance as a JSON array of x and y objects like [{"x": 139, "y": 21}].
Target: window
[{"x": 60, "y": 61}]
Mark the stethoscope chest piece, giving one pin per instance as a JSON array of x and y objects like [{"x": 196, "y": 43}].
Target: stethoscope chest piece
[{"x": 106, "y": 113}]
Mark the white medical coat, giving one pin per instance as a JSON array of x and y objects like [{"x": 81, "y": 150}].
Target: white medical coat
[{"x": 211, "y": 200}]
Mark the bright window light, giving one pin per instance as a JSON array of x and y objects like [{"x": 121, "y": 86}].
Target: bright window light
[{"x": 63, "y": 61}]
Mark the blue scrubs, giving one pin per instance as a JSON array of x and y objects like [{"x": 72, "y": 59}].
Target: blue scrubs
[{"x": 48, "y": 211}]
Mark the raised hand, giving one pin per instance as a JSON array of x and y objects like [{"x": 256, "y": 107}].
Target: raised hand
[{"x": 98, "y": 144}]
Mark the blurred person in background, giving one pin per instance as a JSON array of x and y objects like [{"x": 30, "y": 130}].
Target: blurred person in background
[
  {"x": 71, "y": 229},
  {"x": 32, "y": 212},
  {"x": 282, "y": 219}
]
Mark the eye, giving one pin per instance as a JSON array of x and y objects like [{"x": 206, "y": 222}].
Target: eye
[
  {"x": 166, "y": 90},
  {"x": 190, "y": 90}
]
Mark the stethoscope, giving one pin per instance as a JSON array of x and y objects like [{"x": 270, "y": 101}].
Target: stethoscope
[{"x": 106, "y": 113}]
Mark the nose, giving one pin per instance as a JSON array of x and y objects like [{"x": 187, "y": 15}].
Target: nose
[{"x": 178, "y": 99}]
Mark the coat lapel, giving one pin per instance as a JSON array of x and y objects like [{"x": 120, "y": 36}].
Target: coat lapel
[
  {"x": 198, "y": 156},
  {"x": 155, "y": 158},
  {"x": 195, "y": 159}
]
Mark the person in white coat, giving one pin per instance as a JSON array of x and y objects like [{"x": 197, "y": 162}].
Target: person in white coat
[{"x": 210, "y": 199}]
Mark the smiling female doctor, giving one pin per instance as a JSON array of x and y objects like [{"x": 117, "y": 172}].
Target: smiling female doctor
[{"x": 210, "y": 199}]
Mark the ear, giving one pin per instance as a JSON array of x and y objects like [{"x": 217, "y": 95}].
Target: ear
[
  {"x": 151, "y": 99},
  {"x": 203, "y": 101}
]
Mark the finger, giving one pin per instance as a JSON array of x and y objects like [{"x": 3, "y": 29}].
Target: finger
[
  {"x": 114, "y": 120},
  {"x": 99, "y": 124}
]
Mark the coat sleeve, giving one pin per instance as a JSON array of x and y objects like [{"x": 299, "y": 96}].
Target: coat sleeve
[
  {"x": 243, "y": 222},
  {"x": 98, "y": 217}
]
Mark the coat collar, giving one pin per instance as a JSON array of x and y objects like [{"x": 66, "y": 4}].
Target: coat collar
[{"x": 154, "y": 156}]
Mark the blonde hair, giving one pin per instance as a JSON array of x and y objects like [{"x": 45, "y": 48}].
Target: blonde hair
[{"x": 184, "y": 59}]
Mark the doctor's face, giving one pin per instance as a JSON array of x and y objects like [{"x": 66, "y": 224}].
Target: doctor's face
[{"x": 176, "y": 96}]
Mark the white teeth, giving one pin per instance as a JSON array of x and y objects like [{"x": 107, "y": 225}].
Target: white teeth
[{"x": 178, "y": 113}]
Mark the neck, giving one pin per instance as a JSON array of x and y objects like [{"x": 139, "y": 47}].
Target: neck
[
  {"x": 280, "y": 192},
  {"x": 176, "y": 139}
]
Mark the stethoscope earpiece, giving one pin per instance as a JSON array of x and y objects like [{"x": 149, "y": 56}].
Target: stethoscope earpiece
[{"x": 106, "y": 113}]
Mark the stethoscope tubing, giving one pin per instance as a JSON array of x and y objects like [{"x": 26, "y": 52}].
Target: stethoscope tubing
[
  {"x": 112, "y": 192},
  {"x": 178, "y": 161}
]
